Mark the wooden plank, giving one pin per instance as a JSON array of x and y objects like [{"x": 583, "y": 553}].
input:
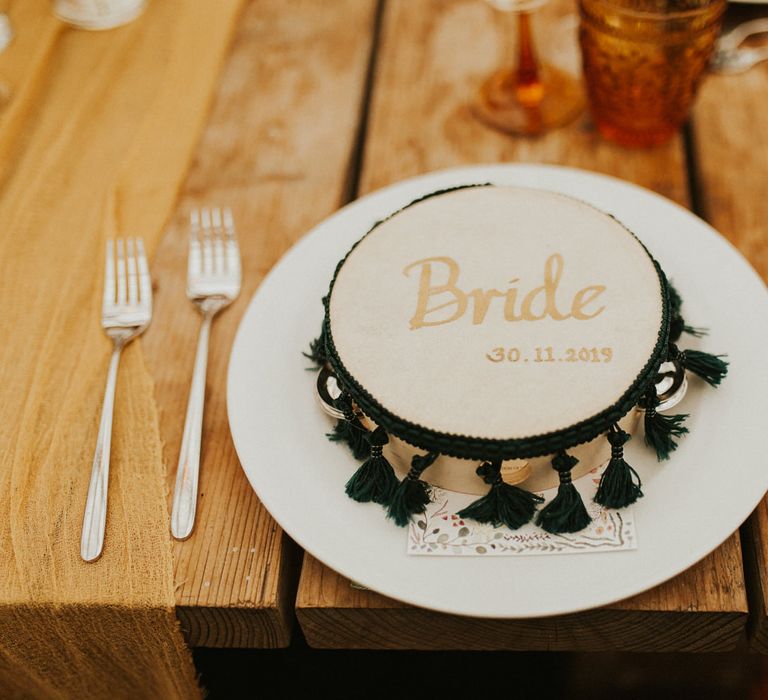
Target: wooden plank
[
  {"x": 335, "y": 615},
  {"x": 756, "y": 572},
  {"x": 420, "y": 118},
  {"x": 276, "y": 150},
  {"x": 94, "y": 143},
  {"x": 420, "y": 121},
  {"x": 24, "y": 62},
  {"x": 731, "y": 147}
]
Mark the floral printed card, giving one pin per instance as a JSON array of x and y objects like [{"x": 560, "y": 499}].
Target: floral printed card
[{"x": 441, "y": 532}]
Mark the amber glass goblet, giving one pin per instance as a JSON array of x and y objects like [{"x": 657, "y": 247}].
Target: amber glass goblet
[{"x": 530, "y": 98}]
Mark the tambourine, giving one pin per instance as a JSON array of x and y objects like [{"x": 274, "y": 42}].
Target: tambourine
[{"x": 500, "y": 341}]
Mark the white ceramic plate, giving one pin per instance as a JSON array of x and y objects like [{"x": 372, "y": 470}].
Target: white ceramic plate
[{"x": 692, "y": 503}]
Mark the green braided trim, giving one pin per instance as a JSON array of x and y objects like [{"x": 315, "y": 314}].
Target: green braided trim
[{"x": 488, "y": 449}]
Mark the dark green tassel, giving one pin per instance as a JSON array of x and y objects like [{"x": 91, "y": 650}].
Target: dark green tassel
[
  {"x": 677, "y": 325},
  {"x": 709, "y": 367},
  {"x": 660, "y": 430},
  {"x": 566, "y": 511},
  {"x": 504, "y": 504},
  {"x": 675, "y": 300},
  {"x": 676, "y": 328},
  {"x": 695, "y": 331},
  {"x": 620, "y": 483},
  {"x": 350, "y": 429},
  {"x": 412, "y": 495},
  {"x": 317, "y": 350},
  {"x": 375, "y": 480}
]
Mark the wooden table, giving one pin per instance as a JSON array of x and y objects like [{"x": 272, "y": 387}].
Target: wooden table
[
  {"x": 385, "y": 98},
  {"x": 323, "y": 102}
]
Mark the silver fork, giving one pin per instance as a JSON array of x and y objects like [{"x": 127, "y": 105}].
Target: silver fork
[
  {"x": 126, "y": 312},
  {"x": 213, "y": 282}
]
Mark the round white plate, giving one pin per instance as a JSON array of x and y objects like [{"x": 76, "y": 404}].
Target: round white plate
[{"x": 692, "y": 503}]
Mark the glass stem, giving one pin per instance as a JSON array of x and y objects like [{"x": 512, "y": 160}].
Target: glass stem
[{"x": 528, "y": 86}]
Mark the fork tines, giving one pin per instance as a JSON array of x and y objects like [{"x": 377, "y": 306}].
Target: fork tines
[
  {"x": 213, "y": 249},
  {"x": 126, "y": 276}
]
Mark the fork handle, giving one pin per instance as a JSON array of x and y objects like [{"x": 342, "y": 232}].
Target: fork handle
[
  {"x": 188, "y": 470},
  {"x": 95, "y": 516}
]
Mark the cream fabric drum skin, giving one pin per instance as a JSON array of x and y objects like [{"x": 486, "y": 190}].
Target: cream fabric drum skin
[{"x": 497, "y": 312}]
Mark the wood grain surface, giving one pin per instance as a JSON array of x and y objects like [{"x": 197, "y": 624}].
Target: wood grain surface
[
  {"x": 335, "y": 615},
  {"x": 95, "y": 142},
  {"x": 276, "y": 150},
  {"x": 420, "y": 121},
  {"x": 730, "y": 140}
]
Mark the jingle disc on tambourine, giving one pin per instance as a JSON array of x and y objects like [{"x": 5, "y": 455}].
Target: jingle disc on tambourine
[
  {"x": 327, "y": 392},
  {"x": 671, "y": 385}
]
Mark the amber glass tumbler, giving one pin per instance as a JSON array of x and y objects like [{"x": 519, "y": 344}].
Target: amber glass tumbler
[{"x": 643, "y": 62}]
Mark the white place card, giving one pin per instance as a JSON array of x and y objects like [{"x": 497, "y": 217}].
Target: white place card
[{"x": 441, "y": 532}]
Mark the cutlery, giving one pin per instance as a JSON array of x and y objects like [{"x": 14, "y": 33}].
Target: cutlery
[
  {"x": 126, "y": 312},
  {"x": 213, "y": 282}
]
